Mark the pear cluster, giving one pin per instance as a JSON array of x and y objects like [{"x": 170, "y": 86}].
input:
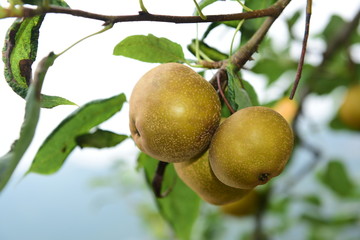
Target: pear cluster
[{"x": 175, "y": 117}]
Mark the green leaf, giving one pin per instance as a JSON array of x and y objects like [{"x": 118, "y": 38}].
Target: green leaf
[
  {"x": 336, "y": 221},
  {"x": 332, "y": 28},
  {"x": 339, "y": 69},
  {"x": 313, "y": 200},
  {"x": 336, "y": 178},
  {"x": 337, "y": 124},
  {"x": 236, "y": 94},
  {"x": 225, "y": 111},
  {"x": 54, "y": 101},
  {"x": 315, "y": 219},
  {"x": 345, "y": 220},
  {"x": 249, "y": 27},
  {"x": 232, "y": 24},
  {"x": 293, "y": 19},
  {"x": 211, "y": 27},
  {"x": 280, "y": 206},
  {"x": 60, "y": 143},
  {"x": 202, "y": 4},
  {"x": 205, "y": 3},
  {"x": 290, "y": 22},
  {"x": 270, "y": 68},
  {"x": 60, "y": 3},
  {"x": 252, "y": 25},
  {"x": 9, "y": 162},
  {"x": 251, "y": 92},
  {"x": 274, "y": 66},
  {"x": 150, "y": 49},
  {"x": 209, "y": 51},
  {"x": 181, "y": 207},
  {"x": 338, "y": 72},
  {"x": 100, "y": 139},
  {"x": 19, "y": 53},
  {"x": 213, "y": 226}
]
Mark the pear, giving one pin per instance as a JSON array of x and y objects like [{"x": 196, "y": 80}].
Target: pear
[
  {"x": 250, "y": 147},
  {"x": 349, "y": 112},
  {"x": 198, "y": 175},
  {"x": 174, "y": 113},
  {"x": 248, "y": 205},
  {"x": 287, "y": 108}
]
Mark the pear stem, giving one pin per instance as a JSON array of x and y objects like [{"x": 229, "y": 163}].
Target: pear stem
[
  {"x": 223, "y": 95},
  {"x": 158, "y": 180}
]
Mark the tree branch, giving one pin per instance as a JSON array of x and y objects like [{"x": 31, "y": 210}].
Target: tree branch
[
  {"x": 240, "y": 58},
  {"x": 142, "y": 16}
]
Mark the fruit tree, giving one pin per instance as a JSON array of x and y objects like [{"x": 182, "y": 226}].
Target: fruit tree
[{"x": 234, "y": 109}]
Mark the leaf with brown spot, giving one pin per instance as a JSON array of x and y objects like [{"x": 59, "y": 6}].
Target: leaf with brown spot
[{"x": 19, "y": 53}]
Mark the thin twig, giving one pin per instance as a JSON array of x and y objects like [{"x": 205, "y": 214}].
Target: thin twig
[
  {"x": 107, "y": 27},
  {"x": 340, "y": 39},
  {"x": 223, "y": 95},
  {"x": 303, "y": 50}
]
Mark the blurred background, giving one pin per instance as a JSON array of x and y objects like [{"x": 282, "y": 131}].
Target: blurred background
[{"x": 99, "y": 194}]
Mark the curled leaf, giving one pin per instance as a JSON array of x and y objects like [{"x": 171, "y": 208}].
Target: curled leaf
[
  {"x": 9, "y": 162},
  {"x": 19, "y": 53}
]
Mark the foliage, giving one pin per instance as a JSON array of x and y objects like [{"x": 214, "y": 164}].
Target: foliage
[
  {"x": 182, "y": 209},
  {"x": 62, "y": 141},
  {"x": 19, "y": 53},
  {"x": 9, "y": 162}
]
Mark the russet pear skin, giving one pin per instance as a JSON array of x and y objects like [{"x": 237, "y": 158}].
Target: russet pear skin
[
  {"x": 198, "y": 175},
  {"x": 250, "y": 147},
  {"x": 248, "y": 205},
  {"x": 174, "y": 113}
]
